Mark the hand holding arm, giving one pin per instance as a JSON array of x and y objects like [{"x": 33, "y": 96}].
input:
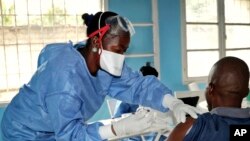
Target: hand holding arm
[{"x": 180, "y": 109}]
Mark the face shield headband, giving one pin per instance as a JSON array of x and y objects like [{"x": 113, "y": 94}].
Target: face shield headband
[{"x": 100, "y": 31}]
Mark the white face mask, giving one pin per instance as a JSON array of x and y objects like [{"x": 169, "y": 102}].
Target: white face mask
[{"x": 112, "y": 62}]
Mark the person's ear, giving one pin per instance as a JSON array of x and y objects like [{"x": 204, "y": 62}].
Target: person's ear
[
  {"x": 95, "y": 44},
  {"x": 95, "y": 41},
  {"x": 210, "y": 88}
]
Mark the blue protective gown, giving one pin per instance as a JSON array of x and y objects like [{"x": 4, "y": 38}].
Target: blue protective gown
[
  {"x": 214, "y": 126},
  {"x": 62, "y": 95},
  {"x": 124, "y": 108}
]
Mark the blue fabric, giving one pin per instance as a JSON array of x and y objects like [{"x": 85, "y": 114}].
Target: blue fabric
[
  {"x": 213, "y": 127},
  {"x": 149, "y": 137},
  {"x": 123, "y": 108},
  {"x": 62, "y": 95},
  {"x": 134, "y": 88}
]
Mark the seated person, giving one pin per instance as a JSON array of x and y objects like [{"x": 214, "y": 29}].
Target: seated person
[
  {"x": 228, "y": 85},
  {"x": 123, "y": 107}
]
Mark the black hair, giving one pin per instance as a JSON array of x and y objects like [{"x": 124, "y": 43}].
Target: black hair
[
  {"x": 92, "y": 21},
  {"x": 148, "y": 70}
]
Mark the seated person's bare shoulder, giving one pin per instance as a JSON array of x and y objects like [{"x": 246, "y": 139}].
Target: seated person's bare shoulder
[{"x": 181, "y": 130}]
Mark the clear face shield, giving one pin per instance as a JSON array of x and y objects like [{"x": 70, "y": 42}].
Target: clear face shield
[
  {"x": 115, "y": 25},
  {"x": 118, "y": 24}
]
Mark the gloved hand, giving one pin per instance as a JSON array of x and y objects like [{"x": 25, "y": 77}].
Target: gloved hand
[
  {"x": 162, "y": 121},
  {"x": 179, "y": 108},
  {"x": 135, "y": 123}
]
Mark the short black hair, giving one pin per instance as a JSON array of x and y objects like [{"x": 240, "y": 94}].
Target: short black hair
[{"x": 148, "y": 70}]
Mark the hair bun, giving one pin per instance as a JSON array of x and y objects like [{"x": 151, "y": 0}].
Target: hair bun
[{"x": 87, "y": 18}]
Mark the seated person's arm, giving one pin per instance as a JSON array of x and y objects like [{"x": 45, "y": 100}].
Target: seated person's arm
[{"x": 179, "y": 132}]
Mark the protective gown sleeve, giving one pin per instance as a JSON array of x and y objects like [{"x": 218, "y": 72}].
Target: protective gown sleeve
[
  {"x": 49, "y": 55},
  {"x": 123, "y": 108},
  {"x": 134, "y": 88},
  {"x": 120, "y": 109},
  {"x": 67, "y": 119}
]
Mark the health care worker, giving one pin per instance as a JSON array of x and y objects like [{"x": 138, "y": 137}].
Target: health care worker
[{"x": 70, "y": 85}]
